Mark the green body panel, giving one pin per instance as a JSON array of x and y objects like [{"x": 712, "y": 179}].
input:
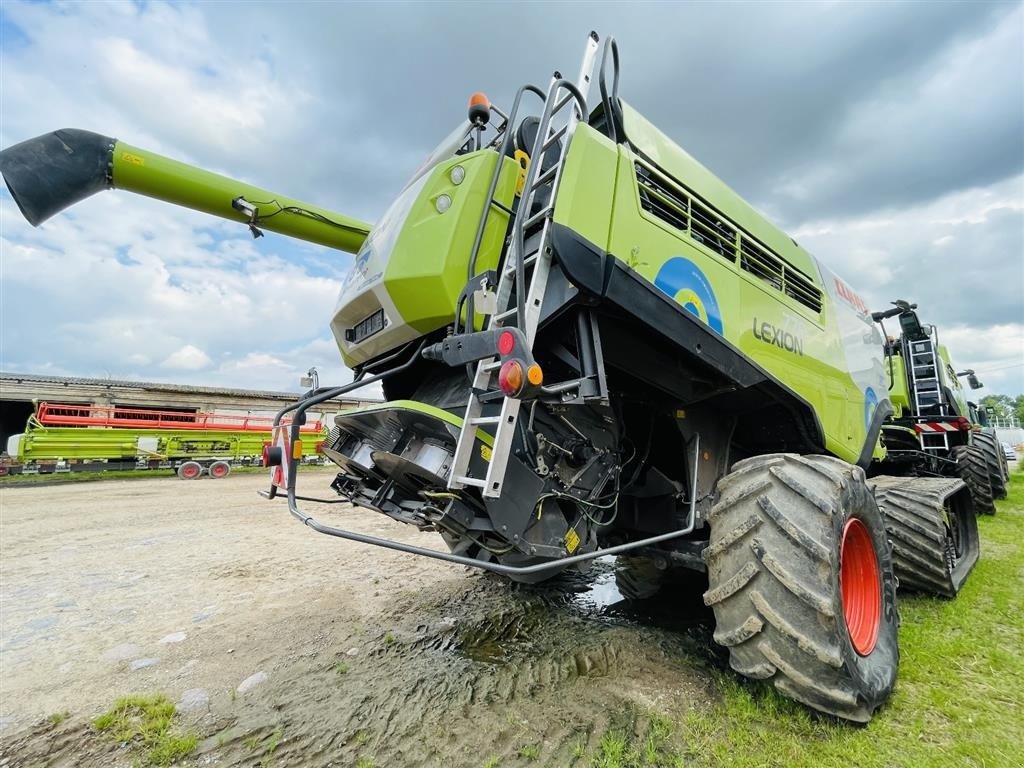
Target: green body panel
[
  {"x": 94, "y": 444},
  {"x": 153, "y": 175},
  {"x": 949, "y": 379},
  {"x": 659, "y": 148},
  {"x": 415, "y": 262},
  {"x": 899, "y": 389},
  {"x": 600, "y": 185}
]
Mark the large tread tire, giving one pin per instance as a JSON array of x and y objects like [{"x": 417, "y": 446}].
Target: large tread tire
[
  {"x": 774, "y": 569},
  {"x": 995, "y": 460},
  {"x": 973, "y": 470},
  {"x": 933, "y": 530}
]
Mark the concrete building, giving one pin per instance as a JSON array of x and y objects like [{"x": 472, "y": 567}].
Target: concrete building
[{"x": 20, "y": 392}]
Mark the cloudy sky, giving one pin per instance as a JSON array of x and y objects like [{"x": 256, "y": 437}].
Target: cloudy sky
[{"x": 887, "y": 138}]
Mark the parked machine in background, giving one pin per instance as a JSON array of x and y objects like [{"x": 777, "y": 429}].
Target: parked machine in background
[
  {"x": 934, "y": 429},
  {"x": 590, "y": 345},
  {"x": 76, "y": 438}
]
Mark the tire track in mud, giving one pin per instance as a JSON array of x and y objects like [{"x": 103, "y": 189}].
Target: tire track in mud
[{"x": 478, "y": 673}]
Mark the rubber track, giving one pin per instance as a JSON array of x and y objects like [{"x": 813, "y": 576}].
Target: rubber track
[
  {"x": 914, "y": 509},
  {"x": 973, "y": 470},
  {"x": 773, "y": 610},
  {"x": 994, "y": 459}
]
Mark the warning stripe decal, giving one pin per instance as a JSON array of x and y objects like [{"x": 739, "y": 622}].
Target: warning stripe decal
[{"x": 938, "y": 426}]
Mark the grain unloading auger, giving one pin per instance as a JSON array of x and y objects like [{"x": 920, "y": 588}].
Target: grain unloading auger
[{"x": 591, "y": 345}]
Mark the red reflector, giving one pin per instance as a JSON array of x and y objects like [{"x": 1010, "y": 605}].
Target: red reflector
[
  {"x": 506, "y": 343},
  {"x": 510, "y": 378}
]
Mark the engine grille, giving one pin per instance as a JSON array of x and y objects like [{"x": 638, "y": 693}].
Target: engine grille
[{"x": 672, "y": 203}]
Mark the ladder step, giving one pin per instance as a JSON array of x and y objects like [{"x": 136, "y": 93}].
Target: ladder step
[
  {"x": 481, "y": 420},
  {"x": 553, "y": 138},
  {"x": 538, "y": 216},
  {"x": 545, "y": 177},
  {"x": 507, "y": 313},
  {"x": 558, "y": 107},
  {"x": 491, "y": 365},
  {"x": 527, "y": 262},
  {"x": 475, "y": 481}
]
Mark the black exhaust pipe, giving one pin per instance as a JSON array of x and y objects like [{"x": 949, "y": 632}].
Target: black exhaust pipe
[{"x": 51, "y": 172}]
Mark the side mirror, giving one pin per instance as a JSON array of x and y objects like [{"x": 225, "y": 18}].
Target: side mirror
[
  {"x": 306, "y": 381},
  {"x": 973, "y": 381}
]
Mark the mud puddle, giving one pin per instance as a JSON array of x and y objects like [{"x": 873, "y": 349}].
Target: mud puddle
[
  {"x": 523, "y": 674},
  {"x": 360, "y": 654}
]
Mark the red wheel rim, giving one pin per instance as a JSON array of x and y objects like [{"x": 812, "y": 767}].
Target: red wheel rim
[
  {"x": 861, "y": 586},
  {"x": 219, "y": 470},
  {"x": 190, "y": 471}
]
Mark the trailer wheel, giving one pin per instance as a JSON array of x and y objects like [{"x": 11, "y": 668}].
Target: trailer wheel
[
  {"x": 801, "y": 582},
  {"x": 973, "y": 470},
  {"x": 219, "y": 469},
  {"x": 190, "y": 470},
  {"x": 994, "y": 460}
]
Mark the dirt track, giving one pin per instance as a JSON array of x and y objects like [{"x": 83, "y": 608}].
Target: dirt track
[{"x": 162, "y": 585}]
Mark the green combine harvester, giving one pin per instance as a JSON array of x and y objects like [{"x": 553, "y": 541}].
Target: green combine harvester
[
  {"x": 590, "y": 345},
  {"x": 934, "y": 428},
  {"x": 82, "y": 438}
]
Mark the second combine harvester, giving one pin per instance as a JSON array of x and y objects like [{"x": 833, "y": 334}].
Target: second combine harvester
[{"x": 590, "y": 345}]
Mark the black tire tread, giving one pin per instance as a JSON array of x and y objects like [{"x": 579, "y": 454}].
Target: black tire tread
[
  {"x": 973, "y": 470},
  {"x": 995, "y": 460},
  {"x": 777, "y": 622},
  {"x": 914, "y": 510}
]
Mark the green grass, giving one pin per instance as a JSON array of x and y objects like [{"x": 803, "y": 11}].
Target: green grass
[
  {"x": 959, "y": 699},
  {"x": 57, "y": 718},
  {"x": 341, "y": 668},
  {"x": 147, "y": 723},
  {"x": 529, "y": 752}
]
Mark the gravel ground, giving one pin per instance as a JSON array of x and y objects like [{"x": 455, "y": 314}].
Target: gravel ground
[{"x": 275, "y": 639}]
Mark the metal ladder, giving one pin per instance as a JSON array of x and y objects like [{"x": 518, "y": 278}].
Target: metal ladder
[
  {"x": 924, "y": 378},
  {"x": 520, "y": 298}
]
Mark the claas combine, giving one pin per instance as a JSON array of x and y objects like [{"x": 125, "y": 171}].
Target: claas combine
[
  {"x": 934, "y": 429},
  {"x": 590, "y": 345}
]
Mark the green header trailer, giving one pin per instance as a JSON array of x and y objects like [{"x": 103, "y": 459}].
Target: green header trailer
[
  {"x": 86, "y": 438},
  {"x": 590, "y": 345}
]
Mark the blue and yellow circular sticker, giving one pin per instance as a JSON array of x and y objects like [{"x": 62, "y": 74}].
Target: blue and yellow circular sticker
[{"x": 683, "y": 280}]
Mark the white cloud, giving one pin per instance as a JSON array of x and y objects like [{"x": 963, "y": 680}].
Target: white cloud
[
  {"x": 188, "y": 358},
  {"x": 268, "y": 95}
]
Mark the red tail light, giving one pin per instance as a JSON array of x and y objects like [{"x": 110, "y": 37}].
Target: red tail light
[
  {"x": 506, "y": 343},
  {"x": 510, "y": 378}
]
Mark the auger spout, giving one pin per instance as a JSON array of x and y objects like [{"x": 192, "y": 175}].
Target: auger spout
[{"x": 56, "y": 170}]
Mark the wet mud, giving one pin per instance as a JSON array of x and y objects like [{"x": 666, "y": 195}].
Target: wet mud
[{"x": 430, "y": 665}]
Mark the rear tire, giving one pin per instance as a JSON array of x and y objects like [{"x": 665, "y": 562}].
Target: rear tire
[
  {"x": 190, "y": 470},
  {"x": 786, "y": 532},
  {"x": 933, "y": 529},
  {"x": 973, "y": 470},
  {"x": 995, "y": 460}
]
